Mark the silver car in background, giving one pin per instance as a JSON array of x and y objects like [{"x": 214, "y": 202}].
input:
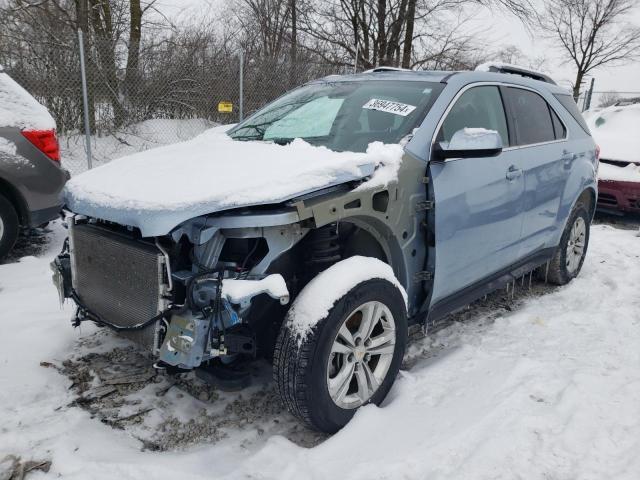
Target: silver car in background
[{"x": 31, "y": 177}]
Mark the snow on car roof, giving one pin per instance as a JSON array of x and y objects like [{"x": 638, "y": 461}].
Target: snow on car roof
[
  {"x": 158, "y": 189},
  {"x": 19, "y": 109},
  {"x": 616, "y": 130}
]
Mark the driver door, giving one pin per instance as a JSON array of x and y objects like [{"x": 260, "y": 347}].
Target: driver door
[{"x": 478, "y": 201}]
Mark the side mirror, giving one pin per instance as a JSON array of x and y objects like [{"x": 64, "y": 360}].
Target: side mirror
[{"x": 469, "y": 143}]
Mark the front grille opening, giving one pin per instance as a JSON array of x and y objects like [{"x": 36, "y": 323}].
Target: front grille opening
[
  {"x": 607, "y": 199},
  {"x": 118, "y": 278}
]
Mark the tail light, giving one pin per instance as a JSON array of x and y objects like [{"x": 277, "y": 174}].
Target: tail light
[{"x": 45, "y": 141}]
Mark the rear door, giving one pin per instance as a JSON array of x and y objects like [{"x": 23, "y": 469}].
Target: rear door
[
  {"x": 478, "y": 201},
  {"x": 540, "y": 139}
]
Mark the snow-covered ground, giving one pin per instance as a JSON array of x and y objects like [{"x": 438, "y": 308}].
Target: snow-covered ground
[{"x": 547, "y": 387}]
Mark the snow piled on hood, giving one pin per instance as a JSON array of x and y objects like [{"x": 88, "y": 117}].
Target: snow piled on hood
[
  {"x": 616, "y": 130},
  {"x": 19, "y": 109},
  {"x": 318, "y": 297},
  {"x": 629, "y": 173},
  {"x": 158, "y": 189}
]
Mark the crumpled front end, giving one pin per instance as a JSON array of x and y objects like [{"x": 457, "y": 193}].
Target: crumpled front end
[{"x": 183, "y": 301}]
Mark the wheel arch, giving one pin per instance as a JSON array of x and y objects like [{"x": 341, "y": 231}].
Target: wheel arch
[{"x": 14, "y": 196}]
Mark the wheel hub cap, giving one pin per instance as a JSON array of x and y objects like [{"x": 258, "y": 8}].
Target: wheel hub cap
[
  {"x": 361, "y": 355},
  {"x": 576, "y": 245}
]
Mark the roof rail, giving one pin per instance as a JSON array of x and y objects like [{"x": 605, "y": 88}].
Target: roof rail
[
  {"x": 387, "y": 69},
  {"x": 498, "y": 67}
]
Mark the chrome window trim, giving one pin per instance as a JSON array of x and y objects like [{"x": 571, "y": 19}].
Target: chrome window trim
[{"x": 495, "y": 84}]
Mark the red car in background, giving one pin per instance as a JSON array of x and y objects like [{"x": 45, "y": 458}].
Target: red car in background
[{"x": 616, "y": 129}]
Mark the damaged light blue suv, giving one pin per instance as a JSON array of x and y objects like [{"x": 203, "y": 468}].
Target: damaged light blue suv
[{"x": 317, "y": 231}]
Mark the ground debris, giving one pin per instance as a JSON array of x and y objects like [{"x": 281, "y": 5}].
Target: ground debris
[
  {"x": 13, "y": 468},
  {"x": 120, "y": 388}
]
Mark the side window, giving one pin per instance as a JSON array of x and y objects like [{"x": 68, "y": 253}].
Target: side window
[
  {"x": 532, "y": 116},
  {"x": 558, "y": 128},
  {"x": 478, "y": 107}
]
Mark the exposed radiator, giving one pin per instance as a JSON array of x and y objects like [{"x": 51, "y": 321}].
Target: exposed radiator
[{"x": 119, "y": 279}]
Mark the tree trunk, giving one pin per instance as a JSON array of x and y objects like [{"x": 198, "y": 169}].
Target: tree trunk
[
  {"x": 294, "y": 45},
  {"x": 382, "y": 32},
  {"x": 133, "y": 51},
  {"x": 103, "y": 27},
  {"x": 577, "y": 85},
  {"x": 408, "y": 34}
]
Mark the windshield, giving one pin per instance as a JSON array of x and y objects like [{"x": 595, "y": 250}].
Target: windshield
[{"x": 343, "y": 116}]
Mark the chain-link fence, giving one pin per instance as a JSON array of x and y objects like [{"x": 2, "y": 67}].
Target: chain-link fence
[
  {"x": 605, "y": 98},
  {"x": 167, "y": 100}
]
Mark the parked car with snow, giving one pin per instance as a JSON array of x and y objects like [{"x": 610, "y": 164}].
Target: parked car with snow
[
  {"x": 31, "y": 177},
  {"x": 615, "y": 129},
  {"x": 317, "y": 231}
]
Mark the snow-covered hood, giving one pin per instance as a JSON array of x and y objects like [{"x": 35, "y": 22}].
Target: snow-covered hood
[
  {"x": 158, "y": 189},
  {"x": 19, "y": 109},
  {"x": 616, "y": 130}
]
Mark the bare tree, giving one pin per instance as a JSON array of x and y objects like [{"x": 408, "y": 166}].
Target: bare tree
[{"x": 592, "y": 33}]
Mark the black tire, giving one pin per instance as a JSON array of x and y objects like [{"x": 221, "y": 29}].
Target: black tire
[
  {"x": 558, "y": 272},
  {"x": 300, "y": 368},
  {"x": 9, "y": 227}
]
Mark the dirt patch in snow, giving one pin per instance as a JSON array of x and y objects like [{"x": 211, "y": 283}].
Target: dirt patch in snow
[{"x": 119, "y": 387}]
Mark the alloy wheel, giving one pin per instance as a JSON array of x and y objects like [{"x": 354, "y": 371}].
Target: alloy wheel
[
  {"x": 575, "y": 245},
  {"x": 361, "y": 354}
]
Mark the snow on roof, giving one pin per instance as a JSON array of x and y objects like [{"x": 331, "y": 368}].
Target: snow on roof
[
  {"x": 160, "y": 188},
  {"x": 616, "y": 130},
  {"x": 19, "y": 109}
]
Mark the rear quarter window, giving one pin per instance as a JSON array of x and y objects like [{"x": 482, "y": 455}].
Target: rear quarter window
[{"x": 570, "y": 106}]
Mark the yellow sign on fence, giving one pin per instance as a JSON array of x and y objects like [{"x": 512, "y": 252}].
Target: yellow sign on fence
[{"x": 225, "y": 107}]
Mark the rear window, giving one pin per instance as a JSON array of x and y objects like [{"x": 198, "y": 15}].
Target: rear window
[
  {"x": 531, "y": 115},
  {"x": 569, "y": 104}
]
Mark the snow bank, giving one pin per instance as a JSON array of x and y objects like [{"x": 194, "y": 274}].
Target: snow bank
[
  {"x": 616, "y": 130},
  {"x": 317, "y": 298},
  {"x": 19, "y": 109},
  {"x": 628, "y": 173},
  {"x": 157, "y": 189}
]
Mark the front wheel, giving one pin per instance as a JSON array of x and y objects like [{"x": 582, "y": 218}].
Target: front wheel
[
  {"x": 350, "y": 358},
  {"x": 569, "y": 257}
]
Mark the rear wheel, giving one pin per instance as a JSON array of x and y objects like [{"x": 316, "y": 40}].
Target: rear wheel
[
  {"x": 349, "y": 359},
  {"x": 9, "y": 227},
  {"x": 569, "y": 257}
]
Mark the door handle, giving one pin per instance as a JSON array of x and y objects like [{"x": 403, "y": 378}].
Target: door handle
[
  {"x": 513, "y": 172},
  {"x": 568, "y": 161}
]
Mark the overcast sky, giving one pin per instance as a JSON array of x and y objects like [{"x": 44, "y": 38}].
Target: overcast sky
[{"x": 494, "y": 28}]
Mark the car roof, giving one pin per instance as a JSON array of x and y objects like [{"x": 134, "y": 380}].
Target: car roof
[{"x": 440, "y": 76}]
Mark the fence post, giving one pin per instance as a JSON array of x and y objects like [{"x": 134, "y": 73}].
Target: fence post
[
  {"x": 589, "y": 94},
  {"x": 85, "y": 100},
  {"x": 241, "y": 93}
]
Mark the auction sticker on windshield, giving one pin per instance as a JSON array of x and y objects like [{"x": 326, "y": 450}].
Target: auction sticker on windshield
[{"x": 388, "y": 106}]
